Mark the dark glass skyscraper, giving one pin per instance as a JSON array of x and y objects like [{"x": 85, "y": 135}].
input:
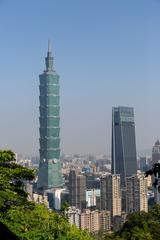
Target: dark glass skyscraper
[
  {"x": 124, "y": 160},
  {"x": 50, "y": 175},
  {"x": 77, "y": 187}
]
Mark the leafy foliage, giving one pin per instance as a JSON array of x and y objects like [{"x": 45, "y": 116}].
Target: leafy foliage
[
  {"x": 140, "y": 226},
  {"x": 12, "y": 179},
  {"x": 155, "y": 170},
  {"x": 6, "y": 234},
  {"x": 27, "y": 220},
  {"x": 39, "y": 223}
]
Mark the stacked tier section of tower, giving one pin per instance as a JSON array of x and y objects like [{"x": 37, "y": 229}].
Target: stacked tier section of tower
[{"x": 50, "y": 175}]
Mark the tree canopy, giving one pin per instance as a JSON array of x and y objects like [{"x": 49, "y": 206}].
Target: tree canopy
[
  {"x": 140, "y": 226},
  {"x": 23, "y": 219},
  {"x": 12, "y": 180}
]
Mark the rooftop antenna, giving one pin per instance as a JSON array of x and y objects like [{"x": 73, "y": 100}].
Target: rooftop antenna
[{"x": 49, "y": 46}]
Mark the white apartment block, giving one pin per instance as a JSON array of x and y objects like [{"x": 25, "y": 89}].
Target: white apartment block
[{"x": 73, "y": 216}]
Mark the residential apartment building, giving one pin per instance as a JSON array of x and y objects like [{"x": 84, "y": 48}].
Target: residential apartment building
[
  {"x": 111, "y": 194},
  {"x": 136, "y": 193},
  {"x": 93, "y": 221}
]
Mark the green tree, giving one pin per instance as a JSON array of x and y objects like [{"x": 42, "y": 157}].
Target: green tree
[
  {"x": 65, "y": 206},
  {"x": 39, "y": 223},
  {"x": 12, "y": 178},
  {"x": 28, "y": 221}
]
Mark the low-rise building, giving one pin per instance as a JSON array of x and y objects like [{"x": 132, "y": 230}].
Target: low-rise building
[
  {"x": 93, "y": 221},
  {"x": 91, "y": 196},
  {"x": 104, "y": 221}
]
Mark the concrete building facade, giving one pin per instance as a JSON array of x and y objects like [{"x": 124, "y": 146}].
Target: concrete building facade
[
  {"x": 93, "y": 221},
  {"x": 111, "y": 194},
  {"x": 77, "y": 188},
  {"x": 136, "y": 193}
]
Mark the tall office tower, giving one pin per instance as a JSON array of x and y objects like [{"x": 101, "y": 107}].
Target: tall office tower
[
  {"x": 50, "y": 175},
  {"x": 77, "y": 187},
  {"x": 136, "y": 193},
  {"x": 111, "y": 194},
  {"x": 124, "y": 160},
  {"x": 156, "y": 152},
  {"x": 72, "y": 188},
  {"x": 81, "y": 193},
  {"x": 103, "y": 193}
]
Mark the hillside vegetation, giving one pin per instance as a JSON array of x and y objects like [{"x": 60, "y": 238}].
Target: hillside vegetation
[
  {"x": 140, "y": 226},
  {"x": 20, "y": 219}
]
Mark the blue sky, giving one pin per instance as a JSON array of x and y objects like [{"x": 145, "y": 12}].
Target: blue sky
[{"x": 107, "y": 53}]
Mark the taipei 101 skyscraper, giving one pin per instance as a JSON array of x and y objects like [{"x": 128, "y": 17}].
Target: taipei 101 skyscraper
[{"x": 50, "y": 175}]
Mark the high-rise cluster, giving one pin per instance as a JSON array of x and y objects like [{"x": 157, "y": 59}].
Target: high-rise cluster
[{"x": 97, "y": 198}]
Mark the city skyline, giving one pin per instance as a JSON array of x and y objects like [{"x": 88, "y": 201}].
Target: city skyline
[{"x": 107, "y": 53}]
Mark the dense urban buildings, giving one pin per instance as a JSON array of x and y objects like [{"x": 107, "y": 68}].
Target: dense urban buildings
[
  {"x": 95, "y": 191},
  {"x": 136, "y": 193},
  {"x": 93, "y": 221},
  {"x": 124, "y": 160},
  {"x": 50, "y": 175}
]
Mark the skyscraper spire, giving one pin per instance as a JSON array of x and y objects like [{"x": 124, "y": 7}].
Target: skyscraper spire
[
  {"x": 49, "y": 59},
  {"x": 49, "y": 46}
]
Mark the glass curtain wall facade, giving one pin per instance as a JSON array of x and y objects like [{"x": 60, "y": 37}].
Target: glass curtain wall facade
[
  {"x": 124, "y": 159},
  {"x": 50, "y": 175}
]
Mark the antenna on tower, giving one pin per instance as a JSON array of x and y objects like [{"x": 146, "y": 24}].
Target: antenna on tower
[{"x": 49, "y": 46}]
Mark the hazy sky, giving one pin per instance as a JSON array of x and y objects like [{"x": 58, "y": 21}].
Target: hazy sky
[{"x": 107, "y": 53}]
